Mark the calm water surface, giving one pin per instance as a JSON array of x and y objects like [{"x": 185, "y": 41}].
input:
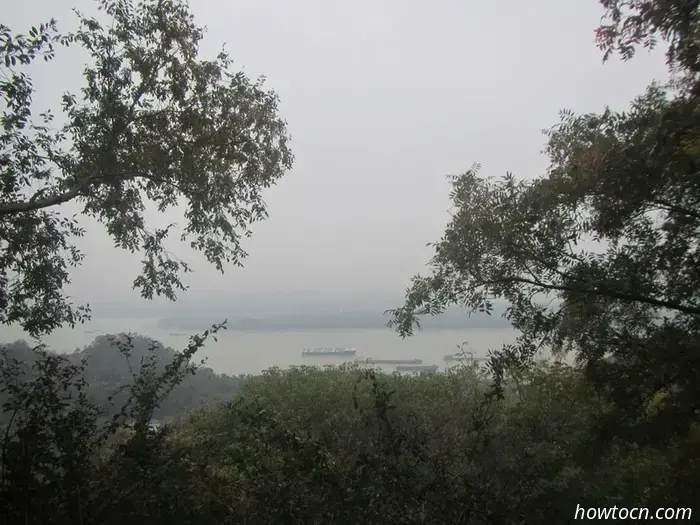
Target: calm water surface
[{"x": 251, "y": 352}]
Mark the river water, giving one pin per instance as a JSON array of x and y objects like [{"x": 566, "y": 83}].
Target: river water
[{"x": 238, "y": 352}]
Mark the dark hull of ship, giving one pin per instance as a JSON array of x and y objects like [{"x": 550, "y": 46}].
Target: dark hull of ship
[{"x": 416, "y": 368}]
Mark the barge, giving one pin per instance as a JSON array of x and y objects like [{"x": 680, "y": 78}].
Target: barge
[
  {"x": 371, "y": 361},
  {"x": 312, "y": 352},
  {"x": 417, "y": 368}
]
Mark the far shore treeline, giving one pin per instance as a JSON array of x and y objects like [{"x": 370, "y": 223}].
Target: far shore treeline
[{"x": 452, "y": 319}]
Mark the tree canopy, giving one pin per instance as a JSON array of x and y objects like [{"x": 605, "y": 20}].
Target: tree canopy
[
  {"x": 154, "y": 123},
  {"x": 108, "y": 375},
  {"x": 600, "y": 255}
]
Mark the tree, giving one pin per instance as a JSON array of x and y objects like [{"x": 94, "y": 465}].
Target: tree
[
  {"x": 66, "y": 459},
  {"x": 153, "y": 124},
  {"x": 629, "y": 23},
  {"x": 600, "y": 256}
]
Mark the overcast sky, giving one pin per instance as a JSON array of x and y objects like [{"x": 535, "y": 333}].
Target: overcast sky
[{"x": 383, "y": 99}]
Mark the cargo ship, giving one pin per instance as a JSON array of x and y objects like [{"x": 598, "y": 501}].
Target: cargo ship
[
  {"x": 371, "y": 361},
  {"x": 312, "y": 352},
  {"x": 417, "y": 368}
]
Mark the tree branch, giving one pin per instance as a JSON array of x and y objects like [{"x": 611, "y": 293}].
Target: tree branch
[
  {"x": 677, "y": 209},
  {"x": 34, "y": 203},
  {"x": 694, "y": 310}
]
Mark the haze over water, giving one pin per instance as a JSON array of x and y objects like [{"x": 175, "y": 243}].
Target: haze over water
[{"x": 247, "y": 352}]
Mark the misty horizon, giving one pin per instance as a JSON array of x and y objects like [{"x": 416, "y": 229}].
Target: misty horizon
[{"x": 382, "y": 102}]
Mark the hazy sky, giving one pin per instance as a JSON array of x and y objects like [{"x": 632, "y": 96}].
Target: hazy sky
[{"x": 383, "y": 99}]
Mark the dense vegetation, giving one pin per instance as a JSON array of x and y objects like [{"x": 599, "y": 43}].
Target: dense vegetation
[
  {"x": 598, "y": 258},
  {"x": 108, "y": 374},
  {"x": 314, "y": 446}
]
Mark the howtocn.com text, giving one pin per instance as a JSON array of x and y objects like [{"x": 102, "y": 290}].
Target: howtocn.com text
[{"x": 634, "y": 513}]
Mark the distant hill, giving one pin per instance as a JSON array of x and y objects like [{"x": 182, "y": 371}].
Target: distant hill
[
  {"x": 107, "y": 370},
  {"x": 453, "y": 319},
  {"x": 315, "y": 309}
]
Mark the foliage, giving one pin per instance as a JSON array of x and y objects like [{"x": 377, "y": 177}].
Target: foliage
[
  {"x": 109, "y": 372},
  {"x": 57, "y": 444},
  {"x": 627, "y": 24},
  {"x": 153, "y": 124},
  {"x": 329, "y": 446},
  {"x": 312, "y": 446},
  {"x": 600, "y": 255}
]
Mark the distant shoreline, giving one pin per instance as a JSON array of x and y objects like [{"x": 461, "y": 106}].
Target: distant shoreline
[{"x": 333, "y": 322}]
